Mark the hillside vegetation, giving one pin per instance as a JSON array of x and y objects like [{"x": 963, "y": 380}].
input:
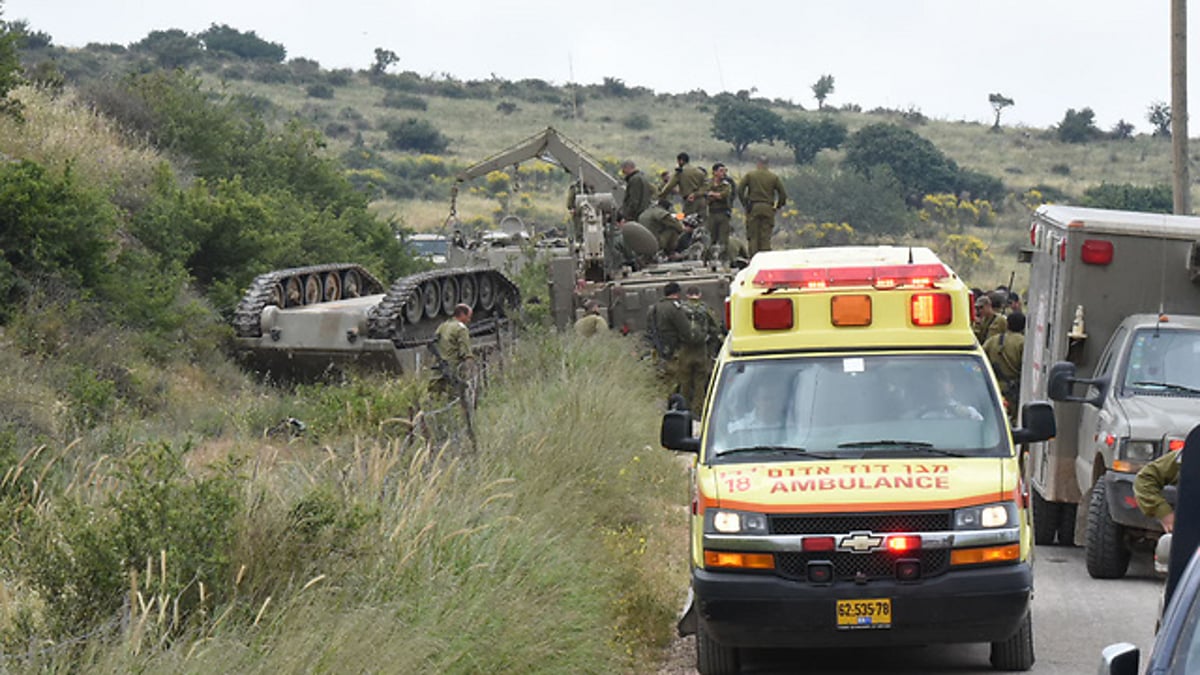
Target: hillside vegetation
[{"x": 166, "y": 510}]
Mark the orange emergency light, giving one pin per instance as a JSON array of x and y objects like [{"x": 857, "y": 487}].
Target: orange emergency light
[{"x": 850, "y": 310}]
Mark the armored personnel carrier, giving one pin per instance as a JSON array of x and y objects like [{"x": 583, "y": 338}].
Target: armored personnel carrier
[{"x": 306, "y": 320}]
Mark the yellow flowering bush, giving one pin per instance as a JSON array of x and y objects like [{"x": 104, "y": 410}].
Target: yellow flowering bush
[{"x": 965, "y": 253}]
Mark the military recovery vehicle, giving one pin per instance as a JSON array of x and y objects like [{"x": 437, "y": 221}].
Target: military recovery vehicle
[
  {"x": 306, "y": 320},
  {"x": 589, "y": 267}
]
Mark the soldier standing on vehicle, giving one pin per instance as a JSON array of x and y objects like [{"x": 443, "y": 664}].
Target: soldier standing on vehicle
[
  {"x": 720, "y": 208},
  {"x": 989, "y": 321},
  {"x": 668, "y": 329},
  {"x": 1148, "y": 487},
  {"x": 762, "y": 195},
  {"x": 591, "y": 323},
  {"x": 639, "y": 191},
  {"x": 691, "y": 183},
  {"x": 1004, "y": 352}
]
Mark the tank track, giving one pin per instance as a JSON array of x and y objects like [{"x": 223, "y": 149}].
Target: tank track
[
  {"x": 269, "y": 289},
  {"x": 408, "y": 317}
]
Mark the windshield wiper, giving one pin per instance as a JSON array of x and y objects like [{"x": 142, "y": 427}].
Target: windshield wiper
[
  {"x": 789, "y": 450},
  {"x": 886, "y": 443},
  {"x": 1167, "y": 385}
]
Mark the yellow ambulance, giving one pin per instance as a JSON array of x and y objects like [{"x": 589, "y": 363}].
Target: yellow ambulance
[{"x": 856, "y": 481}]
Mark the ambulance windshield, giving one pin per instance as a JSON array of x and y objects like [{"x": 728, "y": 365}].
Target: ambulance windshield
[{"x": 855, "y": 406}]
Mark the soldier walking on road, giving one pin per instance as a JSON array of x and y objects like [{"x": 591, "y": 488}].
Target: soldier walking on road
[
  {"x": 762, "y": 195},
  {"x": 1004, "y": 352},
  {"x": 691, "y": 183},
  {"x": 696, "y": 358},
  {"x": 669, "y": 329},
  {"x": 639, "y": 191}
]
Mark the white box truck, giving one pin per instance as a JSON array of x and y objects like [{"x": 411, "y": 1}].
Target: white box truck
[{"x": 1113, "y": 337}]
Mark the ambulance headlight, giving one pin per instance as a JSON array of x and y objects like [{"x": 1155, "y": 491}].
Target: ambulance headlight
[
  {"x": 734, "y": 522},
  {"x": 986, "y": 516}
]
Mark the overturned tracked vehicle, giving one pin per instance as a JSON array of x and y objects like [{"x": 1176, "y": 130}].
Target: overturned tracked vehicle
[{"x": 306, "y": 320}]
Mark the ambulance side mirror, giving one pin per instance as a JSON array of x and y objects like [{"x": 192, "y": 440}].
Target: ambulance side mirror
[
  {"x": 1038, "y": 420},
  {"x": 1062, "y": 384},
  {"x": 677, "y": 432}
]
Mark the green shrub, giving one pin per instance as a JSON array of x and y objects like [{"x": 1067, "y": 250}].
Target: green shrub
[
  {"x": 1129, "y": 197},
  {"x": 415, "y": 135},
  {"x": 403, "y": 101},
  {"x": 318, "y": 90},
  {"x": 1060, "y": 169},
  {"x": 637, "y": 121}
]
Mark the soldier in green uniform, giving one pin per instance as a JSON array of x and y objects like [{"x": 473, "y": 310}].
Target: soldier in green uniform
[
  {"x": 1149, "y": 483},
  {"x": 691, "y": 182},
  {"x": 664, "y": 226},
  {"x": 720, "y": 208},
  {"x": 639, "y": 191},
  {"x": 762, "y": 195},
  {"x": 669, "y": 330},
  {"x": 1004, "y": 352},
  {"x": 591, "y": 323},
  {"x": 988, "y": 319},
  {"x": 454, "y": 349},
  {"x": 696, "y": 358}
]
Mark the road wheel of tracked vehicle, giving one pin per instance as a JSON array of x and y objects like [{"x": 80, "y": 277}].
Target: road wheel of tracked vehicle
[
  {"x": 714, "y": 658},
  {"x": 466, "y": 290},
  {"x": 1107, "y": 551},
  {"x": 431, "y": 298},
  {"x": 449, "y": 289},
  {"x": 312, "y": 289},
  {"x": 1015, "y": 653},
  {"x": 276, "y": 295},
  {"x": 293, "y": 293},
  {"x": 332, "y": 287},
  {"x": 414, "y": 307},
  {"x": 351, "y": 284},
  {"x": 487, "y": 292}
]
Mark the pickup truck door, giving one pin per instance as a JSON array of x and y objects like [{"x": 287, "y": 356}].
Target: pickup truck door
[{"x": 1095, "y": 424}]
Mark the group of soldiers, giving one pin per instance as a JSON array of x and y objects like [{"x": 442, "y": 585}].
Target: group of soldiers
[
  {"x": 707, "y": 201},
  {"x": 1000, "y": 328}
]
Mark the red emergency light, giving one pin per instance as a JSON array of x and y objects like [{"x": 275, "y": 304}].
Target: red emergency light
[
  {"x": 1096, "y": 252},
  {"x": 878, "y": 276},
  {"x": 931, "y": 309},
  {"x": 1033, "y": 233},
  {"x": 903, "y": 543},
  {"x": 773, "y": 314}
]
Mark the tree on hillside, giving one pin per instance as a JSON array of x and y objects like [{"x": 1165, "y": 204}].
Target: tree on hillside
[
  {"x": 1122, "y": 130},
  {"x": 171, "y": 48},
  {"x": 806, "y": 138},
  {"x": 247, "y": 45},
  {"x": 1159, "y": 116},
  {"x": 822, "y": 89},
  {"x": 10, "y": 68},
  {"x": 999, "y": 102},
  {"x": 1078, "y": 126},
  {"x": 384, "y": 59},
  {"x": 415, "y": 135},
  {"x": 741, "y": 123},
  {"x": 915, "y": 162}
]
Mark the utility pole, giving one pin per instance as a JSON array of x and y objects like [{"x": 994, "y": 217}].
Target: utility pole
[{"x": 1179, "y": 116}]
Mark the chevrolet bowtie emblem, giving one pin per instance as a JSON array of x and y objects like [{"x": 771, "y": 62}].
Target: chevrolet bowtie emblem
[{"x": 860, "y": 542}]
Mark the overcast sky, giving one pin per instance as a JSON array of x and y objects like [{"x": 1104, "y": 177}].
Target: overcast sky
[{"x": 942, "y": 57}]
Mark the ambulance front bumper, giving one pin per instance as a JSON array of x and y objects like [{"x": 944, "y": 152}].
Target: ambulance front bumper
[{"x": 748, "y": 610}]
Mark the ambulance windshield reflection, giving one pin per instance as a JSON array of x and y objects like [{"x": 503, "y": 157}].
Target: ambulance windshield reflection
[{"x": 857, "y": 406}]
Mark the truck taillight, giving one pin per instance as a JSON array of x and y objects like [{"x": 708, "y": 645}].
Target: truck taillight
[
  {"x": 728, "y": 316},
  {"x": 1175, "y": 444},
  {"x": 1033, "y": 233},
  {"x": 1096, "y": 252},
  {"x": 1062, "y": 250},
  {"x": 773, "y": 314},
  {"x": 931, "y": 309}
]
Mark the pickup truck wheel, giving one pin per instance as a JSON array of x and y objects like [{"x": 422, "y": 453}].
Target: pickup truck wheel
[
  {"x": 713, "y": 658},
  {"x": 1045, "y": 520},
  {"x": 1015, "y": 653},
  {"x": 1107, "y": 552}
]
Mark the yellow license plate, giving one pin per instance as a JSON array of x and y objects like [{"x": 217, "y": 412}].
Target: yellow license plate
[{"x": 864, "y": 613}]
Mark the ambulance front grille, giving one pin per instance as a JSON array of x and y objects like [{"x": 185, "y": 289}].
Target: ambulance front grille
[
  {"x": 849, "y": 566},
  {"x": 845, "y": 523}
]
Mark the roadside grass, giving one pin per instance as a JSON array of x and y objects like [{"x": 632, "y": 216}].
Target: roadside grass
[{"x": 552, "y": 549}]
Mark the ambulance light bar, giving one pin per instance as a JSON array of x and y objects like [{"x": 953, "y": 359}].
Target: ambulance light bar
[{"x": 880, "y": 277}]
